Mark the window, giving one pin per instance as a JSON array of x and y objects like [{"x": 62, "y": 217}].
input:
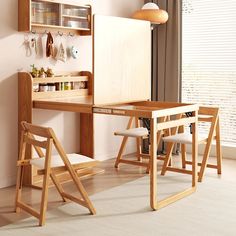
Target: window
[{"x": 209, "y": 59}]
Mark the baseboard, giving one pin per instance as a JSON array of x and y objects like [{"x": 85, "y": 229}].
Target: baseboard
[
  {"x": 113, "y": 153},
  {"x": 227, "y": 151},
  {"x": 7, "y": 181}
]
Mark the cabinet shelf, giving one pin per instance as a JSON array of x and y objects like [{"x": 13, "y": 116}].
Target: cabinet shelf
[
  {"x": 75, "y": 17},
  {"x": 64, "y": 85},
  {"x": 59, "y": 79},
  {"x": 82, "y": 85},
  {"x": 63, "y": 2},
  {"x": 58, "y": 27},
  {"x": 59, "y": 94}
]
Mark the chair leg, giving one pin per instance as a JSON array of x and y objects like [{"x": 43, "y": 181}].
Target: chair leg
[
  {"x": 123, "y": 144},
  {"x": 170, "y": 147},
  {"x": 44, "y": 198},
  {"x": 138, "y": 144},
  {"x": 20, "y": 172},
  {"x": 122, "y": 147},
  {"x": 218, "y": 148},
  {"x": 183, "y": 155},
  {"x": 85, "y": 201},
  {"x": 83, "y": 193},
  {"x": 58, "y": 186},
  {"x": 207, "y": 150},
  {"x": 204, "y": 161},
  {"x": 19, "y": 182}
]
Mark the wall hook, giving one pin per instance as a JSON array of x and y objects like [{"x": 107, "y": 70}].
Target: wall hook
[
  {"x": 33, "y": 31},
  {"x": 71, "y": 34},
  {"x": 60, "y": 33}
]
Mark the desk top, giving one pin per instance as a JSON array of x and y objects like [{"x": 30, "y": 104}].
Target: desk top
[
  {"x": 81, "y": 104},
  {"x": 146, "y": 109}
]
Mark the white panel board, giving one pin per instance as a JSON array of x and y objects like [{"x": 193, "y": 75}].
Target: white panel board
[{"x": 122, "y": 60}]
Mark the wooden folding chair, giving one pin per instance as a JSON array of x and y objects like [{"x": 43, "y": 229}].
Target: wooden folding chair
[
  {"x": 206, "y": 114},
  {"x": 139, "y": 133},
  {"x": 50, "y": 165}
]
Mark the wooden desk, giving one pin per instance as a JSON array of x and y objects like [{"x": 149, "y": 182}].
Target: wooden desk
[
  {"x": 81, "y": 104},
  {"x": 145, "y": 109}
]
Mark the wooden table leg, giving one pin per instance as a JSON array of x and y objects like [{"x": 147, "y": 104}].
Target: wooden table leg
[
  {"x": 153, "y": 164},
  {"x": 25, "y": 107},
  {"x": 86, "y": 135},
  {"x": 194, "y": 150},
  {"x": 154, "y": 203}
]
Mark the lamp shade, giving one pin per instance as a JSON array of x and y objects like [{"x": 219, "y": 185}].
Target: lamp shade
[{"x": 151, "y": 12}]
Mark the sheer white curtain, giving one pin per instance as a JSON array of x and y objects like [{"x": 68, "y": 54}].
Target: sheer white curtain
[{"x": 209, "y": 59}]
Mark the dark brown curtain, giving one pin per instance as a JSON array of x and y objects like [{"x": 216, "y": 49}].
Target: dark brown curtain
[{"x": 166, "y": 55}]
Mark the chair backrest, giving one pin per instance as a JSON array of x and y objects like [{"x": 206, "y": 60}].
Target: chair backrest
[
  {"x": 211, "y": 116},
  {"x": 29, "y": 132},
  {"x": 36, "y": 130},
  {"x": 28, "y": 137}
]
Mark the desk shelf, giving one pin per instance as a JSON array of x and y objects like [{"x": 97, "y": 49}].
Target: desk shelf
[
  {"x": 60, "y": 86},
  {"x": 61, "y": 78},
  {"x": 56, "y": 94}
]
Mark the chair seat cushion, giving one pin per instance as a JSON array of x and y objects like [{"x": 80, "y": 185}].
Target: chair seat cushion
[
  {"x": 135, "y": 132},
  {"x": 183, "y": 138},
  {"x": 56, "y": 160}
]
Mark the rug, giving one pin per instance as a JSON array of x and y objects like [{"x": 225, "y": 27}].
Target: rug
[{"x": 125, "y": 211}]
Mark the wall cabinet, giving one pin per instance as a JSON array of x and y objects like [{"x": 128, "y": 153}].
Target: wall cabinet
[{"x": 41, "y": 15}]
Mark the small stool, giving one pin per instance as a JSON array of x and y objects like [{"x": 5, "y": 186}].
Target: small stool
[{"x": 139, "y": 133}]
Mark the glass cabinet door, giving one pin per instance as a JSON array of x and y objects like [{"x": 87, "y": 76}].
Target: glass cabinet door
[
  {"x": 75, "y": 16},
  {"x": 45, "y": 13}
]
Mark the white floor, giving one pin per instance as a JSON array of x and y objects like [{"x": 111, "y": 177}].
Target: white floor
[{"x": 124, "y": 210}]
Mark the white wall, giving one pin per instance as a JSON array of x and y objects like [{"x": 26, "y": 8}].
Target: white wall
[{"x": 13, "y": 59}]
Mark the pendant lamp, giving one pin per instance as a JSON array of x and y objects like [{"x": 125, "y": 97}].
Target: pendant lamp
[{"x": 151, "y": 12}]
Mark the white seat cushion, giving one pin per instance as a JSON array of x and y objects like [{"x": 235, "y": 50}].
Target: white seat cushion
[
  {"x": 135, "y": 132},
  {"x": 56, "y": 160},
  {"x": 183, "y": 138}
]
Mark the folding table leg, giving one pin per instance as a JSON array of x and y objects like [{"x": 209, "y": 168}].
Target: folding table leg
[
  {"x": 153, "y": 164},
  {"x": 138, "y": 141}
]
